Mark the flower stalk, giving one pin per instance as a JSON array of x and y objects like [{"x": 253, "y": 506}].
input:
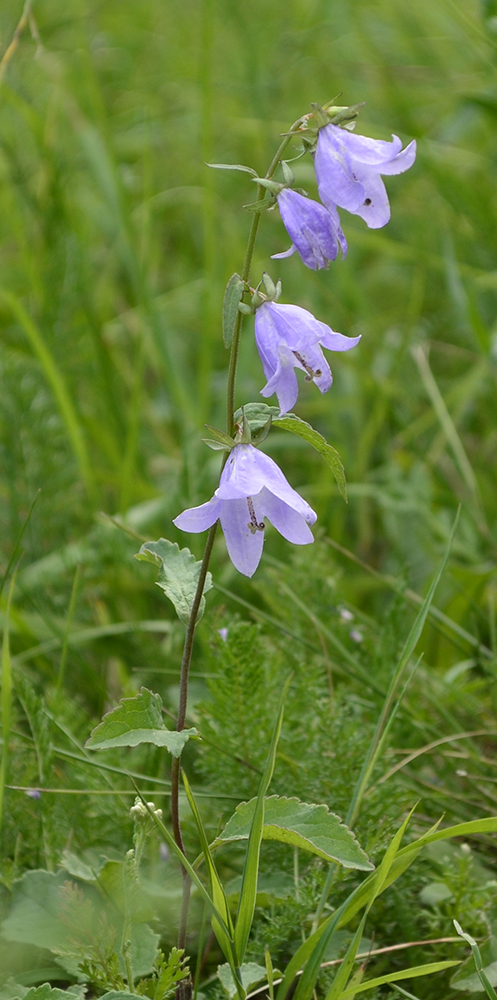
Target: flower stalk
[{"x": 192, "y": 622}]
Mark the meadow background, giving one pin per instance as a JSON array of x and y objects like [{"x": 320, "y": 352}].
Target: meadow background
[{"x": 116, "y": 242}]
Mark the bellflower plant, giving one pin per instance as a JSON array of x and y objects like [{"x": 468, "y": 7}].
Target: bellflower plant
[
  {"x": 251, "y": 488},
  {"x": 290, "y": 337},
  {"x": 315, "y": 231},
  {"x": 349, "y": 168}
]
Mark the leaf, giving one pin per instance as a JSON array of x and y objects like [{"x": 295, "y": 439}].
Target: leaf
[
  {"x": 480, "y": 970},
  {"x": 138, "y": 720},
  {"x": 311, "y": 827},
  {"x": 34, "y": 917},
  {"x": 232, "y": 166},
  {"x": 257, "y": 415},
  {"x": 290, "y": 422},
  {"x": 232, "y": 297},
  {"x": 250, "y": 973},
  {"x": 47, "y": 992},
  {"x": 392, "y": 977},
  {"x": 216, "y": 888},
  {"x": 248, "y": 890},
  {"x": 178, "y": 575},
  {"x": 121, "y": 995}
]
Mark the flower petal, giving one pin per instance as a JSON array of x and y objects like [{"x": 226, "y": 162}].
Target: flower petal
[
  {"x": 402, "y": 161},
  {"x": 375, "y": 209},
  {"x": 291, "y": 524},
  {"x": 311, "y": 227},
  {"x": 197, "y": 519},
  {"x": 337, "y": 341},
  {"x": 283, "y": 382},
  {"x": 244, "y": 546},
  {"x": 373, "y": 152},
  {"x": 286, "y": 253},
  {"x": 337, "y": 184}
]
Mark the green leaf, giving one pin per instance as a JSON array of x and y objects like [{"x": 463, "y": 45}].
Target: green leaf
[
  {"x": 34, "y": 917},
  {"x": 290, "y": 422},
  {"x": 481, "y": 969},
  {"x": 250, "y": 973},
  {"x": 138, "y": 720},
  {"x": 232, "y": 297},
  {"x": 47, "y": 992},
  {"x": 178, "y": 575},
  {"x": 311, "y": 827},
  {"x": 14, "y": 991},
  {"x": 120, "y": 995},
  {"x": 217, "y": 891},
  {"x": 248, "y": 891},
  {"x": 258, "y": 414},
  {"x": 392, "y": 977},
  {"x": 232, "y": 166}
]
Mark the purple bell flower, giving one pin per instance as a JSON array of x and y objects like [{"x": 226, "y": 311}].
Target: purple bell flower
[
  {"x": 290, "y": 337},
  {"x": 251, "y": 488},
  {"x": 315, "y": 231},
  {"x": 349, "y": 168}
]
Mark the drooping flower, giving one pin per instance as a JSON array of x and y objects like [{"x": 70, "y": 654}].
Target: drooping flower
[
  {"x": 315, "y": 231},
  {"x": 349, "y": 168},
  {"x": 290, "y": 337},
  {"x": 252, "y": 487}
]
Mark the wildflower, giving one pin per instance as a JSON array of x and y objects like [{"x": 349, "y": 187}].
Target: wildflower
[
  {"x": 315, "y": 231},
  {"x": 348, "y": 169},
  {"x": 223, "y": 632},
  {"x": 290, "y": 337},
  {"x": 251, "y": 488}
]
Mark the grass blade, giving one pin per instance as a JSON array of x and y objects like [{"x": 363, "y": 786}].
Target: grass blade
[
  {"x": 58, "y": 386},
  {"x": 217, "y": 891},
  {"x": 383, "y": 721},
  {"x": 6, "y": 697},
  {"x": 391, "y": 977},
  {"x": 248, "y": 889}
]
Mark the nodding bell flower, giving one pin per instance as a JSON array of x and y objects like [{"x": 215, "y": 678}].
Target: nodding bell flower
[
  {"x": 315, "y": 231},
  {"x": 251, "y": 488},
  {"x": 290, "y": 337},
  {"x": 349, "y": 168}
]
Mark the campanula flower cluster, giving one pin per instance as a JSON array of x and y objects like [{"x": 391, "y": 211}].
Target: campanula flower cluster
[{"x": 252, "y": 489}]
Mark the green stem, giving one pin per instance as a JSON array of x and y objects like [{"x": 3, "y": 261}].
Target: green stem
[
  {"x": 247, "y": 264},
  {"x": 192, "y": 621}
]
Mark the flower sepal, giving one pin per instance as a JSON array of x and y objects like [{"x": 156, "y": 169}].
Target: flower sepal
[
  {"x": 271, "y": 291},
  {"x": 220, "y": 440}
]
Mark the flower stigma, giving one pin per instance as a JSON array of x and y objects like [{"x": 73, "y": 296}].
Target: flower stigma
[
  {"x": 311, "y": 374},
  {"x": 254, "y": 525}
]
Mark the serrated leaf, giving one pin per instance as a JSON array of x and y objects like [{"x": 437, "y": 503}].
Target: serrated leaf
[
  {"x": 232, "y": 166},
  {"x": 138, "y": 720},
  {"x": 311, "y": 827},
  {"x": 290, "y": 422},
  {"x": 178, "y": 575},
  {"x": 47, "y": 992},
  {"x": 250, "y": 973},
  {"x": 232, "y": 298}
]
